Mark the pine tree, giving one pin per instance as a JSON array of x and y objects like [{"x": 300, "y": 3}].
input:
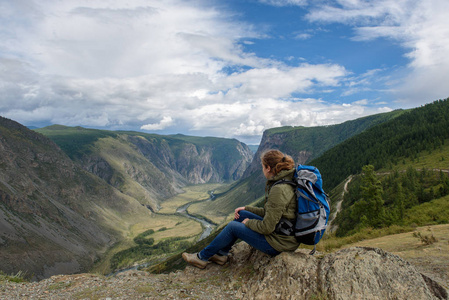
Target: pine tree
[
  {"x": 372, "y": 196},
  {"x": 399, "y": 200}
]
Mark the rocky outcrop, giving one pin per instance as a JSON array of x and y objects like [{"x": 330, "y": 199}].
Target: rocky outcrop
[{"x": 353, "y": 273}]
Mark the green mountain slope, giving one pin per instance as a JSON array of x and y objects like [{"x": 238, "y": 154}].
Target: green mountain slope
[
  {"x": 54, "y": 216},
  {"x": 421, "y": 129},
  {"x": 394, "y": 198}
]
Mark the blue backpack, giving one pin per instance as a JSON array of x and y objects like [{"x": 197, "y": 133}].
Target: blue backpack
[{"x": 313, "y": 207}]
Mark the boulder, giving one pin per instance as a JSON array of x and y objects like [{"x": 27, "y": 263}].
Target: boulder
[{"x": 352, "y": 273}]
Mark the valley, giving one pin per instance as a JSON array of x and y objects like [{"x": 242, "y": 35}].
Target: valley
[
  {"x": 85, "y": 195},
  {"x": 167, "y": 223},
  {"x": 149, "y": 197}
]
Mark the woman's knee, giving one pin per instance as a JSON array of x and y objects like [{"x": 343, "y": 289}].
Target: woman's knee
[
  {"x": 234, "y": 226},
  {"x": 244, "y": 214}
]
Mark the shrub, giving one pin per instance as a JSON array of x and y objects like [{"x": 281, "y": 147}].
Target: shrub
[{"x": 425, "y": 239}]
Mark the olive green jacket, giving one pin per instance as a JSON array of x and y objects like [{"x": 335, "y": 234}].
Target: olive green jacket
[{"x": 280, "y": 202}]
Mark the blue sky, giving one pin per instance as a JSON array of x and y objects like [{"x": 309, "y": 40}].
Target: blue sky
[{"x": 218, "y": 68}]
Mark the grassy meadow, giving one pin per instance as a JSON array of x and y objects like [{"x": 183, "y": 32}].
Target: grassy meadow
[
  {"x": 238, "y": 194},
  {"x": 194, "y": 193}
]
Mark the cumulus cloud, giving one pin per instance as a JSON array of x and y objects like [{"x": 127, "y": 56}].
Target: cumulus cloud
[
  {"x": 303, "y": 36},
  {"x": 143, "y": 64},
  {"x": 178, "y": 66}
]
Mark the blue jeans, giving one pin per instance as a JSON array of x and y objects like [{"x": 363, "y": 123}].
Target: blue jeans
[{"x": 237, "y": 230}]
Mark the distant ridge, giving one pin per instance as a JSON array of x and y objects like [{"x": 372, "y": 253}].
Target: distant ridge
[{"x": 152, "y": 167}]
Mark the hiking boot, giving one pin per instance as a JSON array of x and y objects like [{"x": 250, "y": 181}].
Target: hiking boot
[
  {"x": 194, "y": 260},
  {"x": 219, "y": 259}
]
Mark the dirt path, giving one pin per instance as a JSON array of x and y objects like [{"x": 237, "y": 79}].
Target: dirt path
[{"x": 332, "y": 227}]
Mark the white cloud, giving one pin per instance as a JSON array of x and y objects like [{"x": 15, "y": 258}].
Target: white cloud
[
  {"x": 281, "y": 82},
  {"x": 284, "y": 2},
  {"x": 303, "y": 36},
  {"x": 164, "y": 123},
  {"x": 361, "y": 102},
  {"x": 146, "y": 64},
  {"x": 421, "y": 27},
  {"x": 159, "y": 65}
]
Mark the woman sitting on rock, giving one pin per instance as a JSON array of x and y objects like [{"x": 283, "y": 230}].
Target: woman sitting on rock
[{"x": 255, "y": 225}]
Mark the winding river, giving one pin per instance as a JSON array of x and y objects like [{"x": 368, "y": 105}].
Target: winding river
[{"x": 208, "y": 227}]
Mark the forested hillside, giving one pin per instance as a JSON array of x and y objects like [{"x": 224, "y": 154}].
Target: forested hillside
[
  {"x": 399, "y": 172},
  {"x": 411, "y": 197},
  {"x": 421, "y": 129},
  {"x": 314, "y": 141}
]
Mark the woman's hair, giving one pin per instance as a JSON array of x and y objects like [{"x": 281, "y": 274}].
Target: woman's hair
[{"x": 277, "y": 161}]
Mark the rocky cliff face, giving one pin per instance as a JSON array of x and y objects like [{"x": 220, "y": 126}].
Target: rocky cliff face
[
  {"x": 278, "y": 141},
  {"x": 198, "y": 162},
  {"x": 54, "y": 217},
  {"x": 152, "y": 168}
]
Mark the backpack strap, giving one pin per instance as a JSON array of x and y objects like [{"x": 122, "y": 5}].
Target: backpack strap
[
  {"x": 313, "y": 251},
  {"x": 285, "y": 226},
  {"x": 282, "y": 181}
]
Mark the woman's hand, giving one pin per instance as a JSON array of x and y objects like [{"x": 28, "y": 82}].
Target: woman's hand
[
  {"x": 236, "y": 213},
  {"x": 244, "y": 221}
]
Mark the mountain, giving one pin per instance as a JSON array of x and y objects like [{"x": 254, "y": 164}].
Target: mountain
[
  {"x": 303, "y": 144},
  {"x": 151, "y": 167},
  {"x": 70, "y": 193},
  {"x": 54, "y": 216},
  {"x": 67, "y": 198},
  {"x": 424, "y": 128},
  {"x": 306, "y": 143}
]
